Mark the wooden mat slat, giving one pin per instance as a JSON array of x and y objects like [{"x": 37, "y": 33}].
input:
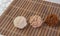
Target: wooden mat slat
[{"x": 28, "y": 8}]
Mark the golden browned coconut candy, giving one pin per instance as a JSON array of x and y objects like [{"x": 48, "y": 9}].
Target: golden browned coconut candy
[
  {"x": 35, "y": 21},
  {"x": 52, "y": 20}
]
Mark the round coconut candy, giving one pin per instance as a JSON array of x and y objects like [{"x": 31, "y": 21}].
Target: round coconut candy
[
  {"x": 52, "y": 20},
  {"x": 35, "y": 21},
  {"x": 20, "y": 22}
]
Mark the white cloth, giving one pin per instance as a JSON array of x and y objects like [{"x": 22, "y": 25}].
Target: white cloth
[
  {"x": 3, "y": 5},
  {"x": 54, "y": 1}
]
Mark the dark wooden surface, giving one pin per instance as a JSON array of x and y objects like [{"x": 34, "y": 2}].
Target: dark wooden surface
[{"x": 28, "y": 8}]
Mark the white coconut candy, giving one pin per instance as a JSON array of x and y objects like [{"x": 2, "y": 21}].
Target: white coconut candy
[{"x": 20, "y": 22}]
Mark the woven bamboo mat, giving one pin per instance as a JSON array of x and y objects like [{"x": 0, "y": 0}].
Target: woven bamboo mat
[{"x": 28, "y": 8}]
